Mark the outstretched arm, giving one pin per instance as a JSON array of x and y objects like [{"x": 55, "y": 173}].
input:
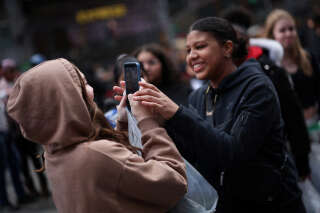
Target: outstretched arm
[{"x": 251, "y": 127}]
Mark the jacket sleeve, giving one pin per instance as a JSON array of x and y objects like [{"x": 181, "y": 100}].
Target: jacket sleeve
[
  {"x": 159, "y": 176},
  {"x": 252, "y": 124}
]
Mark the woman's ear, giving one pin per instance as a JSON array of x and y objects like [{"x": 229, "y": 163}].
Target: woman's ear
[{"x": 228, "y": 49}]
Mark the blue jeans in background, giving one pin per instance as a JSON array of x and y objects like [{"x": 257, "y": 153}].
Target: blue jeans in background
[{"x": 9, "y": 158}]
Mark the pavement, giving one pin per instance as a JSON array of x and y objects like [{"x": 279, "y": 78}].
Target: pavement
[{"x": 40, "y": 205}]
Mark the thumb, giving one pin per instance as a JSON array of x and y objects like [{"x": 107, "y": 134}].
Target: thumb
[
  {"x": 130, "y": 98},
  {"x": 131, "y": 101},
  {"x": 123, "y": 100}
]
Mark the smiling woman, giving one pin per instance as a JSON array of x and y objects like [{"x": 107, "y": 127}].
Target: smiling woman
[
  {"x": 200, "y": 47},
  {"x": 235, "y": 133}
]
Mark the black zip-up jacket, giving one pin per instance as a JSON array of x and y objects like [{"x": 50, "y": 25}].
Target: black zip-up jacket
[{"x": 238, "y": 144}]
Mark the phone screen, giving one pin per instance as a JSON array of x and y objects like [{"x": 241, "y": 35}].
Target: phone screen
[{"x": 132, "y": 76}]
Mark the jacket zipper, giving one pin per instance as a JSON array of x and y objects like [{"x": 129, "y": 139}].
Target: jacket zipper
[
  {"x": 221, "y": 178},
  {"x": 214, "y": 102}
]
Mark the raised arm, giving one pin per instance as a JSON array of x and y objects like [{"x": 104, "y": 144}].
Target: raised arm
[
  {"x": 159, "y": 177},
  {"x": 227, "y": 149}
]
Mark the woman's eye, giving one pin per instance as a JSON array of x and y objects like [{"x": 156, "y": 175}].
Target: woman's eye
[
  {"x": 200, "y": 46},
  {"x": 152, "y": 62},
  {"x": 188, "y": 50}
]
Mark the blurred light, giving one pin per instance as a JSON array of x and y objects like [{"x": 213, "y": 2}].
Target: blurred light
[
  {"x": 101, "y": 13},
  {"x": 37, "y": 59}
]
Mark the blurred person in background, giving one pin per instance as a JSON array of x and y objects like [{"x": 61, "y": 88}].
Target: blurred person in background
[
  {"x": 298, "y": 63},
  {"x": 310, "y": 34},
  {"x": 161, "y": 70},
  {"x": 9, "y": 73},
  {"x": 29, "y": 150},
  {"x": 269, "y": 54},
  {"x": 91, "y": 166},
  {"x": 232, "y": 130},
  {"x": 9, "y": 154}
]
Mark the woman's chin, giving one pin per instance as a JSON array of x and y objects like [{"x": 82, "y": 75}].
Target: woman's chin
[{"x": 201, "y": 76}]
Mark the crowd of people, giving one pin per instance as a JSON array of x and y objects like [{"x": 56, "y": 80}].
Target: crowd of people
[{"x": 246, "y": 126}]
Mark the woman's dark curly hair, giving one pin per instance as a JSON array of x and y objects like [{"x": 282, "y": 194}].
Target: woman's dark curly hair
[
  {"x": 222, "y": 31},
  {"x": 169, "y": 68}
]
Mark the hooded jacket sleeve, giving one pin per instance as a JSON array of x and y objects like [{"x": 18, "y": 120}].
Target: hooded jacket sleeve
[{"x": 159, "y": 176}]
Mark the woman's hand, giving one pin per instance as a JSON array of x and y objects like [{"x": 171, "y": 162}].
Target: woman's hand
[
  {"x": 119, "y": 91},
  {"x": 138, "y": 110},
  {"x": 121, "y": 108},
  {"x": 153, "y": 98}
]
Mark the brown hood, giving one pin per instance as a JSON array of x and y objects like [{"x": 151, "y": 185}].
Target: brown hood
[{"x": 47, "y": 103}]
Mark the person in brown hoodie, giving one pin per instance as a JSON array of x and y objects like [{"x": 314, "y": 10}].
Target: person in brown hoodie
[{"x": 91, "y": 167}]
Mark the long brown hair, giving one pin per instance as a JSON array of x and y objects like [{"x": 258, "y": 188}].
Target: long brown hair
[
  {"x": 170, "y": 74},
  {"x": 299, "y": 54}
]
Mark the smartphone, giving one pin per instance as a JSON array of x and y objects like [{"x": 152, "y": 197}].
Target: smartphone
[{"x": 132, "y": 74}]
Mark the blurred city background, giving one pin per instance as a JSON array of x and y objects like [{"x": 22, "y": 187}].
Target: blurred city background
[
  {"x": 93, "y": 33},
  {"x": 97, "y": 31}
]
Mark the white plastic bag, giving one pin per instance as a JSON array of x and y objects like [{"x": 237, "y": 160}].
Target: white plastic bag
[
  {"x": 314, "y": 161},
  {"x": 310, "y": 197},
  {"x": 133, "y": 131},
  {"x": 201, "y": 196},
  {"x": 314, "y": 129}
]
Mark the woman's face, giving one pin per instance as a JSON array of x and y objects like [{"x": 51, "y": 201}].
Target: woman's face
[
  {"x": 89, "y": 89},
  {"x": 284, "y": 31},
  {"x": 205, "y": 55},
  {"x": 152, "y": 67}
]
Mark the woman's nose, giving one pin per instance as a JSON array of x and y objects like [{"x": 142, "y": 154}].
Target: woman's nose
[
  {"x": 193, "y": 54},
  {"x": 146, "y": 66},
  {"x": 288, "y": 32}
]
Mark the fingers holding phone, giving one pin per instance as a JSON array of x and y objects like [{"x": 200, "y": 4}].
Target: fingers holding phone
[
  {"x": 121, "y": 108},
  {"x": 150, "y": 96}
]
